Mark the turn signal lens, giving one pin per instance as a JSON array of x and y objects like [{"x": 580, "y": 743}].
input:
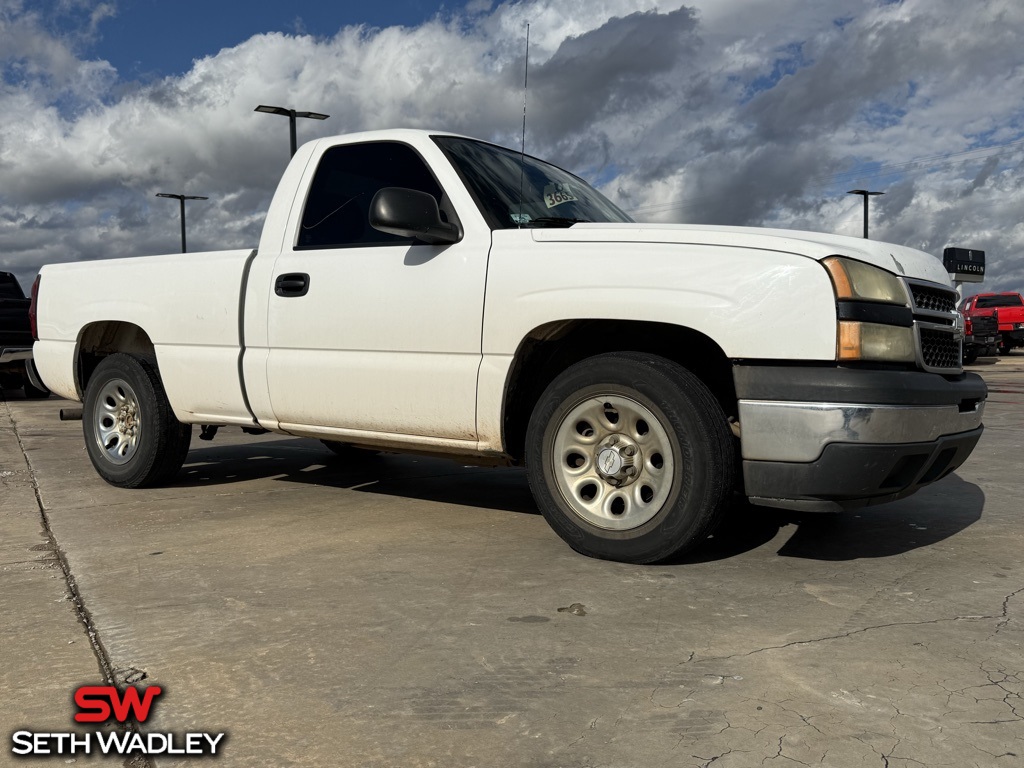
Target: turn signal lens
[
  {"x": 859, "y": 281},
  {"x": 872, "y": 341}
]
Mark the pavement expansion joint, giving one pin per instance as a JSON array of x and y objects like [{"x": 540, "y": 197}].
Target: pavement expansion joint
[{"x": 74, "y": 595}]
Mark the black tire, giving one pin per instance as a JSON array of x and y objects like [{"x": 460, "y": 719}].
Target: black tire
[
  {"x": 131, "y": 434},
  {"x": 643, "y": 512},
  {"x": 970, "y": 355},
  {"x": 1004, "y": 349}
]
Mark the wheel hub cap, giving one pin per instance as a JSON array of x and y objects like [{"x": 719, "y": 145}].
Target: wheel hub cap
[
  {"x": 617, "y": 460},
  {"x": 116, "y": 421},
  {"x": 126, "y": 420}
]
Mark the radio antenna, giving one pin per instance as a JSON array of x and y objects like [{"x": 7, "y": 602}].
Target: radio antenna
[{"x": 522, "y": 149}]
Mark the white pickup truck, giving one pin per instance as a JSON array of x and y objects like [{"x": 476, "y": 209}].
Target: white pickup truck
[{"x": 425, "y": 292}]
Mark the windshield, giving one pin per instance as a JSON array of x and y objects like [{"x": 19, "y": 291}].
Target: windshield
[
  {"x": 514, "y": 191},
  {"x": 1013, "y": 300}
]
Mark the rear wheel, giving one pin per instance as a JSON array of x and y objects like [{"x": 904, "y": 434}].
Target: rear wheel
[
  {"x": 630, "y": 458},
  {"x": 131, "y": 434},
  {"x": 970, "y": 355}
]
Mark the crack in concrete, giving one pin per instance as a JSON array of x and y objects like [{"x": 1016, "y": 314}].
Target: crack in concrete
[
  {"x": 1006, "y": 610},
  {"x": 994, "y": 755},
  {"x": 583, "y": 736},
  {"x": 843, "y": 635},
  {"x": 779, "y": 754},
  {"x": 997, "y": 677},
  {"x": 804, "y": 718},
  {"x": 710, "y": 760},
  {"x": 1001, "y": 684},
  {"x": 106, "y": 668}
]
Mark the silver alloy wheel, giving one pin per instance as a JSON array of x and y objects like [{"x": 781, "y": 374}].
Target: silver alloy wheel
[
  {"x": 117, "y": 421},
  {"x": 613, "y": 462}
]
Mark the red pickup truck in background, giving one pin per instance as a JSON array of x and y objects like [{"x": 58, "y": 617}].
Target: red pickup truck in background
[{"x": 1008, "y": 309}]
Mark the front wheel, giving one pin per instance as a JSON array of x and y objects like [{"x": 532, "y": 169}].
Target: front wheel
[
  {"x": 630, "y": 458},
  {"x": 131, "y": 434}
]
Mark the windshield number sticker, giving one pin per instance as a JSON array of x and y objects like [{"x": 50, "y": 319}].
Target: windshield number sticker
[{"x": 556, "y": 194}]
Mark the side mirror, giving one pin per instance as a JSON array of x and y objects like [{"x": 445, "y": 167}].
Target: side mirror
[{"x": 409, "y": 213}]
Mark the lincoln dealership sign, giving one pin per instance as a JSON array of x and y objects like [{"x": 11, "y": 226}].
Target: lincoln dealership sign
[{"x": 965, "y": 265}]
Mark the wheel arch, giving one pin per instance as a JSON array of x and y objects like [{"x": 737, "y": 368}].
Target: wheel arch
[
  {"x": 104, "y": 338},
  {"x": 549, "y": 349}
]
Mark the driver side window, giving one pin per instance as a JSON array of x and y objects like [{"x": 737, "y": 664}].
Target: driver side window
[{"x": 336, "y": 214}]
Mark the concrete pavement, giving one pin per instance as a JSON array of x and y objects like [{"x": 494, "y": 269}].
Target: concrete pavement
[{"x": 403, "y": 611}]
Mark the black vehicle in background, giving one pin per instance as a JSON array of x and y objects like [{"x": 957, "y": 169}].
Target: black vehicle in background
[{"x": 16, "y": 339}]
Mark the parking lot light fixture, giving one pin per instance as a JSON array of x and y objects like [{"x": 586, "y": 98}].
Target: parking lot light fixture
[
  {"x": 181, "y": 199},
  {"x": 291, "y": 114},
  {"x": 865, "y": 194}
]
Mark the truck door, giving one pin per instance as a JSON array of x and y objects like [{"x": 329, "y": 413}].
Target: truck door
[{"x": 369, "y": 331}]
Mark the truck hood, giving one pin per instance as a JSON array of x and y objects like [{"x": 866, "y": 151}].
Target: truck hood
[{"x": 814, "y": 245}]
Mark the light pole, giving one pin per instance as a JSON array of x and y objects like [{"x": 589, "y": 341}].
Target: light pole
[
  {"x": 865, "y": 194},
  {"x": 291, "y": 114},
  {"x": 182, "y": 199}
]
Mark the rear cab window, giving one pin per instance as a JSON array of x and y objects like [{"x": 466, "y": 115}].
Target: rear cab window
[{"x": 1013, "y": 300}]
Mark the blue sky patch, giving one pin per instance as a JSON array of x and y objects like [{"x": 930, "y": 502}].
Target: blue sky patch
[{"x": 790, "y": 60}]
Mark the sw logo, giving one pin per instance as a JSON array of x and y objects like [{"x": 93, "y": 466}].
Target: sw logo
[
  {"x": 106, "y": 704},
  {"x": 97, "y": 702}
]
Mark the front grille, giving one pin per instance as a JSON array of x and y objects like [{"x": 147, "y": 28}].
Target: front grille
[
  {"x": 933, "y": 299},
  {"x": 938, "y": 327},
  {"x": 939, "y": 349}
]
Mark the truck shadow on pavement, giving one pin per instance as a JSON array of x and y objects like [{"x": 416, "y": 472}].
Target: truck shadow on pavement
[
  {"x": 932, "y": 515},
  {"x": 307, "y": 461}
]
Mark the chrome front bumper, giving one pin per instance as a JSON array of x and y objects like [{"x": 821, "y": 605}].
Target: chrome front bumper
[
  {"x": 828, "y": 438},
  {"x": 787, "y": 431}
]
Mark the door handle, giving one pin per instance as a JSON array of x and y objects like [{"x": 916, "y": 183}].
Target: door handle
[{"x": 292, "y": 284}]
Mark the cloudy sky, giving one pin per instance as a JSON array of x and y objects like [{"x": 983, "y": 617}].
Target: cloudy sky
[{"x": 749, "y": 112}]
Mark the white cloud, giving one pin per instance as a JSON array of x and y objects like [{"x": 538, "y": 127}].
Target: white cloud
[{"x": 728, "y": 112}]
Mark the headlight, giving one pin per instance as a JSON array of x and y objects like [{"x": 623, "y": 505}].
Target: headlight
[
  {"x": 862, "y": 282},
  {"x": 873, "y": 341}
]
